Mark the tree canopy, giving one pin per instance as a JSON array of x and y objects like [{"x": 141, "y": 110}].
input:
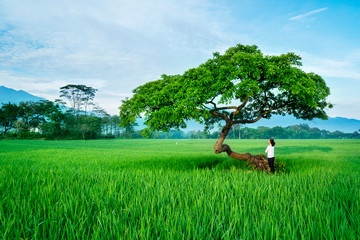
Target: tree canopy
[
  {"x": 78, "y": 95},
  {"x": 53, "y": 120},
  {"x": 240, "y": 86}
]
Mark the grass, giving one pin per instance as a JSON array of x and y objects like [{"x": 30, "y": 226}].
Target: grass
[{"x": 177, "y": 189}]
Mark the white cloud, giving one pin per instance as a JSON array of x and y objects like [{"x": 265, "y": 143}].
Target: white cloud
[
  {"x": 345, "y": 67},
  {"x": 342, "y": 76},
  {"x": 302, "y": 16},
  {"x": 347, "y": 109},
  {"x": 111, "y": 45},
  {"x": 49, "y": 89},
  {"x": 117, "y": 45}
]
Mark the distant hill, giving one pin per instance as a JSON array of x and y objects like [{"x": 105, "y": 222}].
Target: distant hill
[
  {"x": 10, "y": 95},
  {"x": 341, "y": 124},
  {"x": 332, "y": 124}
]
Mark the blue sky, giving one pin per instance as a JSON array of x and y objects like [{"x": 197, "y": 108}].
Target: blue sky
[{"x": 118, "y": 45}]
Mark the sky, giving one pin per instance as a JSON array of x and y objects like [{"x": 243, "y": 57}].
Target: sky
[{"x": 118, "y": 45}]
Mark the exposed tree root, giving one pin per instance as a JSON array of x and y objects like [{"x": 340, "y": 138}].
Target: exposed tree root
[{"x": 259, "y": 162}]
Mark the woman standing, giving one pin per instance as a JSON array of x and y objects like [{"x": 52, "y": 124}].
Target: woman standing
[{"x": 270, "y": 150}]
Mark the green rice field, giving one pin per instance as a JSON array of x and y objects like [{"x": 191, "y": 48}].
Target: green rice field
[{"x": 177, "y": 189}]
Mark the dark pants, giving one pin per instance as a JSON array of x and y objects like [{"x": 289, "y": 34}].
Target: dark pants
[{"x": 271, "y": 164}]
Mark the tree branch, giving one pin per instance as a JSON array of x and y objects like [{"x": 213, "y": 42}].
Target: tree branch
[
  {"x": 211, "y": 102},
  {"x": 223, "y": 116},
  {"x": 253, "y": 120},
  {"x": 238, "y": 109},
  {"x": 217, "y": 114},
  {"x": 224, "y": 108},
  {"x": 206, "y": 107}
]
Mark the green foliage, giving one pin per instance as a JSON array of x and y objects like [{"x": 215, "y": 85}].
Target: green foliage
[
  {"x": 78, "y": 96},
  {"x": 53, "y": 121},
  {"x": 157, "y": 189},
  {"x": 29, "y": 135},
  {"x": 48, "y": 120},
  {"x": 240, "y": 86},
  {"x": 8, "y": 116},
  {"x": 302, "y": 131}
]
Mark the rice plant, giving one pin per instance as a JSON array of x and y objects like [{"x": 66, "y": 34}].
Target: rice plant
[{"x": 171, "y": 189}]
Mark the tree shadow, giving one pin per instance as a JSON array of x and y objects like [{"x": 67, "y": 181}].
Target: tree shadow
[
  {"x": 186, "y": 164},
  {"x": 222, "y": 164},
  {"x": 176, "y": 163},
  {"x": 209, "y": 164}
]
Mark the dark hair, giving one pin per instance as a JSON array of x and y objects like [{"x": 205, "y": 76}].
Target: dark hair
[{"x": 272, "y": 142}]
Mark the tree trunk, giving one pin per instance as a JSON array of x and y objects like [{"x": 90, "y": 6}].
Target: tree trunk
[{"x": 259, "y": 162}]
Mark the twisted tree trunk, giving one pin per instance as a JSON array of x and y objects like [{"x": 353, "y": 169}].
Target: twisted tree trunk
[{"x": 259, "y": 162}]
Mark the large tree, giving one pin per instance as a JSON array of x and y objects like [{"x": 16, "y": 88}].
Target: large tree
[
  {"x": 78, "y": 96},
  {"x": 8, "y": 115},
  {"x": 240, "y": 86}
]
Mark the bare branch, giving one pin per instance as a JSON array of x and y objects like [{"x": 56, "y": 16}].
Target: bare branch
[
  {"x": 253, "y": 120},
  {"x": 206, "y": 107},
  {"x": 243, "y": 104},
  {"x": 223, "y": 115},
  {"x": 238, "y": 109},
  {"x": 224, "y": 108},
  {"x": 211, "y": 102},
  {"x": 216, "y": 114}
]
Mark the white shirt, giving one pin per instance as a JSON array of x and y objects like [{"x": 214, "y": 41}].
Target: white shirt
[{"x": 270, "y": 151}]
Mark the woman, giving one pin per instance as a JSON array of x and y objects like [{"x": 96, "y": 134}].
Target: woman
[{"x": 270, "y": 150}]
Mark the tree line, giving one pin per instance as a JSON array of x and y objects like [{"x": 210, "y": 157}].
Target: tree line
[
  {"x": 73, "y": 116},
  {"x": 302, "y": 131},
  {"x": 52, "y": 120}
]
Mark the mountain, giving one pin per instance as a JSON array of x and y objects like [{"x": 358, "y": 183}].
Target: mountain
[
  {"x": 332, "y": 124},
  {"x": 10, "y": 95}
]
